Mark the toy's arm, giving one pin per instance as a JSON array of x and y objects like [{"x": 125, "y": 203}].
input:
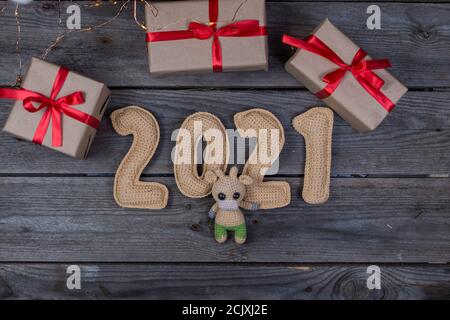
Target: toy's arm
[
  {"x": 252, "y": 206},
  {"x": 212, "y": 211}
]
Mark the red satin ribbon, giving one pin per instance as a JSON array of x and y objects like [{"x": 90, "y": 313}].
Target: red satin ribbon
[
  {"x": 54, "y": 108},
  {"x": 244, "y": 28},
  {"x": 361, "y": 69}
]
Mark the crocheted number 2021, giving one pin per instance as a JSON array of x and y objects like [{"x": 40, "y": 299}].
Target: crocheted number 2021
[{"x": 254, "y": 123}]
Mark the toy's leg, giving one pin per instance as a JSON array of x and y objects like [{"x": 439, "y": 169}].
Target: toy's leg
[
  {"x": 240, "y": 234},
  {"x": 220, "y": 233}
]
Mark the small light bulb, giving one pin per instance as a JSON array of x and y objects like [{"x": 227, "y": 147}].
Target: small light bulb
[{"x": 22, "y": 1}]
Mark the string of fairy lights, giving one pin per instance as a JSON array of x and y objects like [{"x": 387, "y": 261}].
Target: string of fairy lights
[{"x": 122, "y": 6}]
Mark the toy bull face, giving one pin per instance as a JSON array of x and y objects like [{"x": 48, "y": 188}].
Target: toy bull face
[{"x": 229, "y": 191}]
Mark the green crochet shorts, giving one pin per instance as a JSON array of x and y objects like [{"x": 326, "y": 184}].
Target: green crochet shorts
[{"x": 240, "y": 231}]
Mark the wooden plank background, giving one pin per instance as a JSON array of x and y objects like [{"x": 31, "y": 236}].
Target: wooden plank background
[{"x": 390, "y": 201}]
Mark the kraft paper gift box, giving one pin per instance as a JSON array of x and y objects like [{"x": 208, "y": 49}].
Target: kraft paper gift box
[
  {"x": 350, "y": 99},
  {"x": 76, "y": 136},
  {"x": 166, "y": 20}
]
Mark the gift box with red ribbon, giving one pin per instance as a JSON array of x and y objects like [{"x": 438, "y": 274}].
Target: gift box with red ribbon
[
  {"x": 193, "y": 36},
  {"x": 56, "y": 108},
  {"x": 340, "y": 73}
]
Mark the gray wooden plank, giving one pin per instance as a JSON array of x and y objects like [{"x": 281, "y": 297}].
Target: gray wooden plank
[
  {"x": 268, "y": 1},
  {"x": 76, "y": 219},
  {"x": 417, "y": 129},
  {"x": 413, "y": 35},
  {"x": 168, "y": 281}
]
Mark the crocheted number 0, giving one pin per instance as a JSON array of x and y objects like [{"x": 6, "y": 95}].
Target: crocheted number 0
[
  {"x": 129, "y": 192},
  {"x": 267, "y": 129}
]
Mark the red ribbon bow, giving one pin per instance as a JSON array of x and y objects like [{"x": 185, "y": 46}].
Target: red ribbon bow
[
  {"x": 54, "y": 108},
  {"x": 361, "y": 69},
  {"x": 244, "y": 28}
]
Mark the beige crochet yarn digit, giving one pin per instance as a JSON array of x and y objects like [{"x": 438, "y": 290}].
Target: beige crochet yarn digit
[
  {"x": 268, "y": 130},
  {"x": 195, "y": 127},
  {"x": 129, "y": 192},
  {"x": 229, "y": 192},
  {"x": 316, "y": 126}
]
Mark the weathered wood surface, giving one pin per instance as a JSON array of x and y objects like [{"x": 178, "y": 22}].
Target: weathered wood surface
[
  {"x": 415, "y": 140},
  {"x": 414, "y": 36},
  {"x": 365, "y": 220},
  {"x": 168, "y": 281}
]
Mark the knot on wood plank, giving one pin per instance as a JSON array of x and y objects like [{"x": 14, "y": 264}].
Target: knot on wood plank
[{"x": 425, "y": 34}]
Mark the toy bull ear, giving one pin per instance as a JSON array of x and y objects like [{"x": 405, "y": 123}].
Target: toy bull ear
[
  {"x": 210, "y": 177},
  {"x": 219, "y": 173},
  {"x": 246, "y": 180}
]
